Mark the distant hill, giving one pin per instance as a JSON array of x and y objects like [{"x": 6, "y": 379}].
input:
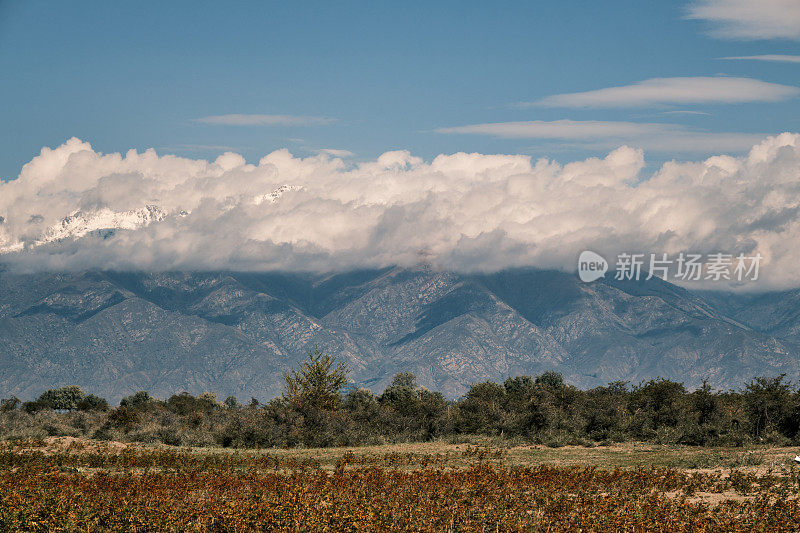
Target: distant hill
[{"x": 235, "y": 333}]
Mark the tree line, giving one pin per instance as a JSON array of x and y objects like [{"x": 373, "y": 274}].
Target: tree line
[{"x": 317, "y": 409}]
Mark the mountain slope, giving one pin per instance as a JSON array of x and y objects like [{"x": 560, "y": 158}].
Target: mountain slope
[{"x": 235, "y": 333}]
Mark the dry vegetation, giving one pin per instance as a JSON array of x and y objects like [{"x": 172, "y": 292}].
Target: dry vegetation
[
  {"x": 79, "y": 485},
  {"x": 533, "y": 454}
]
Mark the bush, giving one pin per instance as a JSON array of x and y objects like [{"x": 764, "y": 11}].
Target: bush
[
  {"x": 9, "y": 404},
  {"x": 185, "y": 404},
  {"x": 91, "y": 402},
  {"x": 124, "y": 418},
  {"x": 65, "y": 398},
  {"x": 543, "y": 409},
  {"x": 141, "y": 401}
]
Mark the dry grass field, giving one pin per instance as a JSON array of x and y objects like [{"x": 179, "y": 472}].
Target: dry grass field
[{"x": 63, "y": 484}]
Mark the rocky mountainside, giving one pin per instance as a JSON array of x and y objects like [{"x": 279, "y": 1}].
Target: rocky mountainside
[{"x": 235, "y": 333}]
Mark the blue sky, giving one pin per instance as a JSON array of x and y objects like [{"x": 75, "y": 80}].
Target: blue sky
[{"x": 368, "y": 77}]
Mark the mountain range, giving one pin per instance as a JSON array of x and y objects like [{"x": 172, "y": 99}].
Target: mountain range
[{"x": 235, "y": 333}]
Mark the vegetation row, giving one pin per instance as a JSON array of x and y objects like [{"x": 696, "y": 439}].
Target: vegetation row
[{"x": 315, "y": 410}]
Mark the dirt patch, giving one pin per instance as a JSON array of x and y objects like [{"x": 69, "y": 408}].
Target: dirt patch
[
  {"x": 77, "y": 445},
  {"x": 711, "y": 498}
]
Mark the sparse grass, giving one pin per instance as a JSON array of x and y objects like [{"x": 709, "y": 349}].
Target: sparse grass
[
  {"x": 620, "y": 455},
  {"x": 630, "y": 455}
]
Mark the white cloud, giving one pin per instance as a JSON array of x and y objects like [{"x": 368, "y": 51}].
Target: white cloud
[
  {"x": 777, "y": 58},
  {"x": 199, "y": 148},
  {"x": 560, "y": 129},
  {"x": 469, "y": 211},
  {"x": 265, "y": 120},
  {"x": 750, "y": 19},
  {"x": 336, "y": 153},
  {"x": 685, "y": 112},
  {"x": 686, "y": 90},
  {"x": 594, "y": 134}
]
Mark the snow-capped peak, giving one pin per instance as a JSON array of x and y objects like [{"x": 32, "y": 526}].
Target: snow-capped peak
[
  {"x": 273, "y": 196},
  {"x": 81, "y": 223}
]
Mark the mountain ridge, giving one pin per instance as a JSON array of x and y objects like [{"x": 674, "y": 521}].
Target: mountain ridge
[{"x": 236, "y": 332}]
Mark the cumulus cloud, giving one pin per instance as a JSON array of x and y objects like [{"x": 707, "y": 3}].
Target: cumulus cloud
[
  {"x": 776, "y": 58},
  {"x": 683, "y": 90},
  {"x": 265, "y": 120},
  {"x": 749, "y": 19},
  {"x": 594, "y": 134},
  {"x": 465, "y": 211}
]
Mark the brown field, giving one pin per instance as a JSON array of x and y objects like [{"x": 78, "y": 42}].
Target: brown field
[{"x": 62, "y": 484}]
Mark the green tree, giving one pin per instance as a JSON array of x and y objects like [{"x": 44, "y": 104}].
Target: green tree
[
  {"x": 706, "y": 404},
  {"x": 659, "y": 410},
  {"x": 185, "y": 404},
  {"x": 519, "y": 391},
  {"x": 413, "y": 409},
  {"x": 139, "y": 401},
  {"x": 703, "y": 419},
  {"x": 402, "y": 394},
  {"x": 9, "y": 404},
  {"x": 766, "y": 401},
  {"x": 65, "y": 398},
  {"x": 359, "y": 401},
  {"x": 605, "y": 411},
  {"x": 231, "y": 402},
  {"x": 317, "y": 385},
  {"x": 90, "y": 402},
  {"x": 403, "y": 380},
  {"x": 482, "y": 409},
  {"x": 551, "y": 380}
]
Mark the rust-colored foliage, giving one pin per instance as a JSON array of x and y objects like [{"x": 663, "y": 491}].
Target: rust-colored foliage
[{"x": 165, "y": 490}]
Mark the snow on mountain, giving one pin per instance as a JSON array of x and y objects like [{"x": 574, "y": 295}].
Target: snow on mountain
[
  {"x": 273, "y": 196},
  {"x": 81, "y": 223},
  {"x": 12, "y": 247}
]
